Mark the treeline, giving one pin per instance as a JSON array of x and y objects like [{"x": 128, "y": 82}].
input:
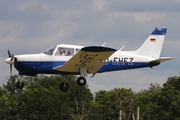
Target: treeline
[{"x": 41, "y": 99}]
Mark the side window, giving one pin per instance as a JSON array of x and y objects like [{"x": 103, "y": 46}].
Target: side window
[
  {"x": 70, "y": 51},
  {"x": 77, "y": 50},
  {"x": 61, "y": 51}
]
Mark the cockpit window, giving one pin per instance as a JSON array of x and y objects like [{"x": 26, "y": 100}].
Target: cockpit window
[
  {"x": 77, "y": 50},
  {"x": 50, "y": 51},
  {"x": 62, "y": 51}
]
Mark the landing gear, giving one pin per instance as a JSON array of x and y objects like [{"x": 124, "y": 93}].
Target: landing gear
[
  {"x": 64, "y": 85},
  {"x": 19, "y": 84},
  {"x": 81, "y": 81}
]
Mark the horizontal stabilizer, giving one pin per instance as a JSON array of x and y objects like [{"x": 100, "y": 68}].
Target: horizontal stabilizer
[{"x": 162, "y": 59}]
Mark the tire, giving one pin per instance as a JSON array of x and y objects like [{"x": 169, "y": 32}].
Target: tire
[
  {"x": 64, "y": 87},
  {"x": 81, "y": 81},
  {"x": 19, "y": 85}
]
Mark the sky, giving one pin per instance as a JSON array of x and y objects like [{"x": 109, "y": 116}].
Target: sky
[{"x": 32, "y": 26}]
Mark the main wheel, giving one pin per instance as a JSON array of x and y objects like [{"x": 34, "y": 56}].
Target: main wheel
[
  {"x": 63, "y": 87},
  {"x": 81, "y": 81},
  {"x": 20, "y": 85}
]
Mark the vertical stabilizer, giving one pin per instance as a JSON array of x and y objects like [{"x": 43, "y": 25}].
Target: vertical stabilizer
[{"x": 153, "y": 45}]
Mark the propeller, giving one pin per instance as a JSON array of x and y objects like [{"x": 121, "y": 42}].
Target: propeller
[{"x": 12, "y": 57}]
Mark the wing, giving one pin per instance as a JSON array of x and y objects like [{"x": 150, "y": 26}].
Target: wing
[{"x": 92, "y": 58}]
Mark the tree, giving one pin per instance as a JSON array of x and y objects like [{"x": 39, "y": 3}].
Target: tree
[
  {"x": 42, "y": 99},
  {"x": 147, "y": 100},
  {"x": 108, "y": 103},
  {"x": 10, "y": 87},
  {"x": 170, "y": 99},
  {"x": 160, "y": 103}
]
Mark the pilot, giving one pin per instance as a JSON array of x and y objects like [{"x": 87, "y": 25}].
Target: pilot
[{"x": 61, "y": 52}]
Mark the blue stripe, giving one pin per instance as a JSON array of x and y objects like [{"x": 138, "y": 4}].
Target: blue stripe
[
  {"x": 33, "y": 68},
  {"x": 38, "y": 67},
  {"x": 114, "y": 67}
]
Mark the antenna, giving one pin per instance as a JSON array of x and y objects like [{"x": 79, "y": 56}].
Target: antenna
[{"x": 103, "y": 44}]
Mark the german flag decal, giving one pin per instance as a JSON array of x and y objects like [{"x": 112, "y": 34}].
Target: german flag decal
[{"x": 152, "y": 40}]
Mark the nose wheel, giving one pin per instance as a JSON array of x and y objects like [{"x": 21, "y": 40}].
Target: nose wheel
[
  {"x": 19, "y": 84},
  {"x": 81, "y": 81}
]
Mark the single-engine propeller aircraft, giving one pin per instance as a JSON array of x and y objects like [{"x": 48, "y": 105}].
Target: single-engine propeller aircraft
[{"x": 67, "y": 60}]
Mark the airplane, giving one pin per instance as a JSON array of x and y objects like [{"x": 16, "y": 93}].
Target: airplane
[{"x": 65, "y": 59}]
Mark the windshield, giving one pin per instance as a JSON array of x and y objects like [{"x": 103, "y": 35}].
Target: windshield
[{"x": 50, "y": 51}]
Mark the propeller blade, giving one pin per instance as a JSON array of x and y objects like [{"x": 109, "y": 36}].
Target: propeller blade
[
  {"x": 12, "y": 57},
  {"x": 10, "y": 69},
  {"x": 9, "y": 54}
]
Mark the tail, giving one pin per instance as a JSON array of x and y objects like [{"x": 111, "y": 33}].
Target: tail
[{"x": 153, "y": 45}]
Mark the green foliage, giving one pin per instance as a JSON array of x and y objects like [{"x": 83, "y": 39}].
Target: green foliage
[
  {"x": 170, "y": 98},
  {"x": 108, "y": 103},
  {"x": 147, "y": 100},
  {"x": 10, "y": 88},
  {"x": 160, "y": 103},
  {"x": 42, "y": 99}
]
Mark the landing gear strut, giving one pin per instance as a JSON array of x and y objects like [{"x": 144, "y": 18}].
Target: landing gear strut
[
  {"x": 81, "y": 81},
  {"x": 19, "y": 84},
  {"x": 64, "y": 85}
]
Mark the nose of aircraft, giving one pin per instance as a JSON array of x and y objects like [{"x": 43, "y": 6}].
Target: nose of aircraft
[{"x": 9, "y": 61}]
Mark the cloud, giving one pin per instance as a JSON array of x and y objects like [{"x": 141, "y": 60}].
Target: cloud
[
  {"x": 26, "y": 5},
  {"x": 142, "y": 6}
]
